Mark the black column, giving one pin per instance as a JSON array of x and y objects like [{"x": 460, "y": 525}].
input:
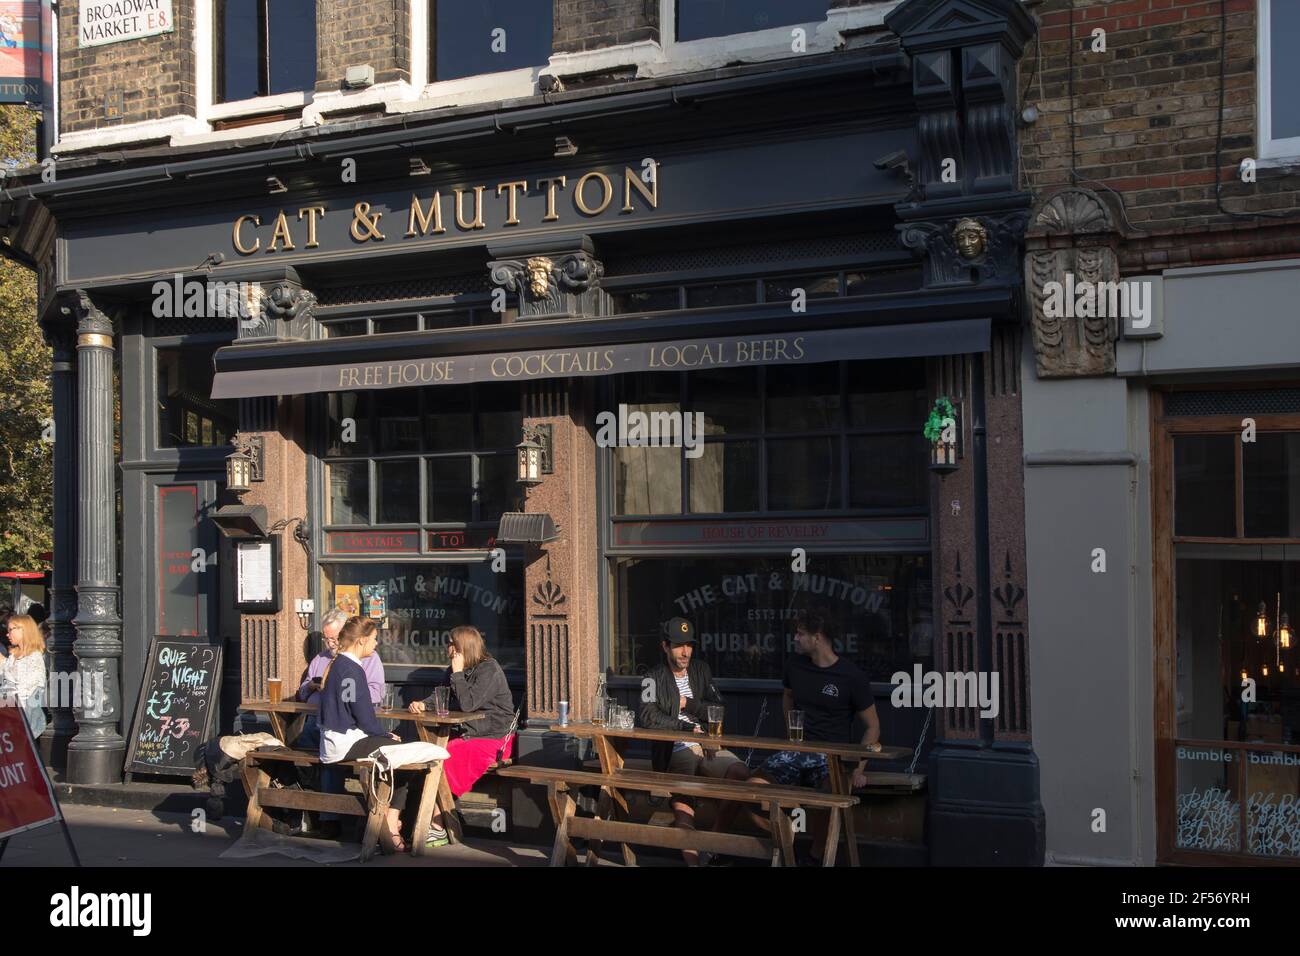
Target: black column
[
  {"x": 63, "y": 596},
  {"x": 95, "y": 755}
]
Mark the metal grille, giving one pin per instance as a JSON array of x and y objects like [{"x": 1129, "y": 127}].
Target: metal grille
[
  {"x": 423, "y": 288},
  {"x": 780, "y": 254},
  {"x": 1255, "y": 401}
]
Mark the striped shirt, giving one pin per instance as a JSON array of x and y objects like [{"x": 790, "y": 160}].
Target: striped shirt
[{"x": 684, "y": 689}]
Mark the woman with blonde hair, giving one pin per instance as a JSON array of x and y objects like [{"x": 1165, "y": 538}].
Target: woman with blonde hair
[
  {"x": 478, "y": 685},
  {"x": 22, "y": 673}
]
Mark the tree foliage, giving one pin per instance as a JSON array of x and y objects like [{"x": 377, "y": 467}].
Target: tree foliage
[{"x": 26, "y": 413}]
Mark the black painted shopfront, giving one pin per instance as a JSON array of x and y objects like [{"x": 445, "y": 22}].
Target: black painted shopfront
[{"x": 735, "y": 245}]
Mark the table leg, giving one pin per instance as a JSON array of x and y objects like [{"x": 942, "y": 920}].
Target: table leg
[
  {"x": 438, "y": 780},
  {"x": 278, "y": 728},
  {"x": 840, "y": 785},
  {"x": 603, "y": 811},
  {"x": 424, "y": 816},
  {"x": 376, "y": 818},
  {"x": 294, "y": 730},
  {"x": 563, "y": 806},
  {"x": 610, "y": 761},
  {"x": 254, "y": 777},
  {"x": 782, "y": 836},
  {"x": 832, "y": 839}
]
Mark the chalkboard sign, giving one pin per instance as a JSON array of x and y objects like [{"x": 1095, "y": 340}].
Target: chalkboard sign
[{"x": 177, "y": 707}]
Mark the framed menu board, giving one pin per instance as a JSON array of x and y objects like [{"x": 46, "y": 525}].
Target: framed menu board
[{"x": 257, "y": 575}]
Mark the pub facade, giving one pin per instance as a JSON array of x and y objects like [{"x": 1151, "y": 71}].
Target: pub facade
[{"x": 387, "y": 311}]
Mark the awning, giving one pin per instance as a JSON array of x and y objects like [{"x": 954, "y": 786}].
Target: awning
[{"x": 608, "y": 346}]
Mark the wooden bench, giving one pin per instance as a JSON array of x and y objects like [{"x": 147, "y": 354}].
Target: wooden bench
[
  {"x": 879, "y": 782},
  {"x": 779, "y": 847},
  {"x": 262, "y": 795}
]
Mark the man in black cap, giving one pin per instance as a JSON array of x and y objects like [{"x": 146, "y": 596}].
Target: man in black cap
[{"x": 680, "y": 691}]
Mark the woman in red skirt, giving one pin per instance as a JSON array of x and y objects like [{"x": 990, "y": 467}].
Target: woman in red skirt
[{"x": 478, "y": 685}]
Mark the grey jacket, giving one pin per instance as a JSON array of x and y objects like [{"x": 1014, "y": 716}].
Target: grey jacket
[{"x": 482, "y": 688}]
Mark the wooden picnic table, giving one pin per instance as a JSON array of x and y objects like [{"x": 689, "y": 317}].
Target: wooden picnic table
[
  {"x": 611, "y": 762},
  {"x": 432, "y": 728}
]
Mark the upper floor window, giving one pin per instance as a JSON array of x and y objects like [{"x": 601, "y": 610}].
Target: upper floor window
[
  {"x": 488, "y": 36},
  {"x": 1279, "y": 78},
  {"x": 698, "y": 19},
  {"x": 265, "y": 47}
]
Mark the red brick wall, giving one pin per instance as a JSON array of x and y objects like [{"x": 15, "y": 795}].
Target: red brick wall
[
  {"x": 1146, "y": 110},
  {"x": 155, "y": 74}
]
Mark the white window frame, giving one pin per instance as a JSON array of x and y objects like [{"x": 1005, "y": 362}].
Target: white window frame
[{"x": 1269, "y": 148}]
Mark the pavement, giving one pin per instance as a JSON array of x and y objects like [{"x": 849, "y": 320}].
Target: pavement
[{"x": 121, "y": 836}]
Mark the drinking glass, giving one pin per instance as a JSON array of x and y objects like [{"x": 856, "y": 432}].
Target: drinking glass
[
  {"x": 715, "y": 720},
  {"x": 795, "y": 725},
  {"x": 598, "y": 709},
  {"x": 441, "y": 696},
  {"x": 273, "y": 690}
]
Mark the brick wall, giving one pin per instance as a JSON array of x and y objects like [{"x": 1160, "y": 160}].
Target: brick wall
[
  {"x": 590, "y": 24},
  {"x": 357, "y": 32},
  {"x": 155, "y": 74},
  {"x": 1146, "y": 110}
]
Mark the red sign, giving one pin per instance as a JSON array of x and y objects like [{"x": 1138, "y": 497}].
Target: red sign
[
  {"x": 358, "y": 542},
  {"x": 475, "y": 540},
  {"x": 26, "y": 797}
]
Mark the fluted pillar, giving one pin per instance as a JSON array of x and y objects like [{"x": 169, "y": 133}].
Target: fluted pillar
[
  {"x": 96, "y": 753},
  {"x": 63, "y": 595}
]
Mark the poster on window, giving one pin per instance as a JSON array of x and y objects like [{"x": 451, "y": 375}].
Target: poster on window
[
  {"x": 20, "y": 51},
  {"x": 111, "y": 21}
]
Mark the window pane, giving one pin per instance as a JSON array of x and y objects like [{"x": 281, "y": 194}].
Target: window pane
[
  {"x": 803, "y": 398},
  {"x": 398, "y": 500},
  {"x": 1271, "y": 492},
  {"x": 882, "y": 280},
  {"x": 465, "y": 43},
  {"x": 814, "y": 287},
  {"x": 240, "y": 56},
  {"x": 888, "y": 471},
  {"x": 451, "y": 489},
  {"x": 335, "y": 330},
  {"x": 725, "y": 477},
  {"x": 397, "y": 414},
  {"x": 1284, "y": 29},
  {"x": 186, "y": 415},
  {"x": 697, "y": 19},
  {"x": 498, "y": 488},
  {"x": 1205, "y": 500},
  {"x": 450, "y": 320},
  {"x": 648, "y": 300},
  {"x": 729, "y": 400},
  {"x": 647, "y": 481},
  {"x": 349, "y": 423},
  {"x": 743, "y": 609},
  {"x": 349, "y": 492},
  {"x": 887, "y": 394},
  {"x": 293, "y": 45},
  {"x": 448, "y": 422},
  {"x": 426, "y": 600},
  {"x": 732, "y": 293},
  {"x": 500, "y": 417},
  {"x": 402, "y": 323},
  {"x": 803, "y": 474}
]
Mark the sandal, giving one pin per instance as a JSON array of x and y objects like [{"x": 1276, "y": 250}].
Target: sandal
[{"x": 391, "y": 842}]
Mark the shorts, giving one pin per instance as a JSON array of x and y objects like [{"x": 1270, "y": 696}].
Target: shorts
[
  {"x": 793, "y": 768},
  {"x": 692, "y": 760}
]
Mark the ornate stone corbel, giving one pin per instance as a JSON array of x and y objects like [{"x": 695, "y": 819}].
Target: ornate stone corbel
[
  {"x": 966, "y": 250},
  {"x": 553, "y": 283},
  {"x": 274, "y": 306},
  {"x": 1070, "y": 259}
]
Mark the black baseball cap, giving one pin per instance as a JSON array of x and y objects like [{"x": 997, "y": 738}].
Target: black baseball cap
[{"x": 679, "y": 631}]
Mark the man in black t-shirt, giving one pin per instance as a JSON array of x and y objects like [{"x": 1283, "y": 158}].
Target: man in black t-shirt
[{"x": 830, "y": 691}]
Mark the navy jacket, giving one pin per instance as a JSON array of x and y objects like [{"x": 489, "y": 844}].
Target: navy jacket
[{"x": 342, "y": 715}]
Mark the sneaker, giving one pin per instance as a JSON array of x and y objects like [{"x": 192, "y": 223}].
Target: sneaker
[{"x": 437, "y": 837}]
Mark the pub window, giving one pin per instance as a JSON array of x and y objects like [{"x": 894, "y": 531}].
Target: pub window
[
  {"x": 1279, "y": 77},
  {"x": 827, "y": 285},
  {"x": 472, "y": 37},
  {"x": 186, "y": 415},
  {"x": 838, "y": 436},
  {"x": 698, "y": 19},
  {"x": 439, "y": 456},
  {"x": 416, "y": 322},
  {"x": 265, "y": 48},
  {"x": 743, "y": 609},
  {"x": 425, "y": 599}
]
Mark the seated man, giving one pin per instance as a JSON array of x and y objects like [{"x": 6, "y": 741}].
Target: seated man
[
  {"x": 830, "y": 691},
  {"x": 683, "y": 690}
]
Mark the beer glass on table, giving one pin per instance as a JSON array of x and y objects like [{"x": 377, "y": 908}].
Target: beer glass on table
[
  {"x": 795, "y": 725},
  {"x": 441, "y": 699},
  {"x": 273, "y": 691},
  {"x": 715, "y": 720}
]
